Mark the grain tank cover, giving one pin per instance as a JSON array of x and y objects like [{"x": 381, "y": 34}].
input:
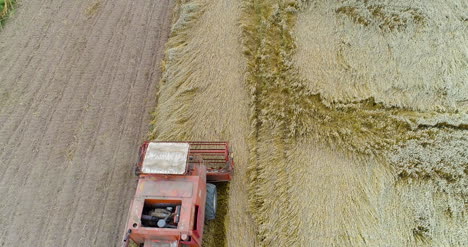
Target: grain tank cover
[{"x": 166, "y": 158}]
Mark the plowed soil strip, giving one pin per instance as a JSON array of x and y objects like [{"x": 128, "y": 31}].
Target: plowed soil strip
[{"x": 77, "y": 80}]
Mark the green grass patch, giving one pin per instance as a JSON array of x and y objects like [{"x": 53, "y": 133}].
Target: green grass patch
[{"x": 6, "y": 8}]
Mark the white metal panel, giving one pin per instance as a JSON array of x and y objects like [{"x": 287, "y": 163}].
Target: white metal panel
[{"x": 166, "y": 158}]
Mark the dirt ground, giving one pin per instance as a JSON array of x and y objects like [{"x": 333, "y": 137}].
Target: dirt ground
[{"x": 77, "y": 83}]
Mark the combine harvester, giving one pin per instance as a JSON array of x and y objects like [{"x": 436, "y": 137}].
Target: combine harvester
[{"x": 173, "y": 199}]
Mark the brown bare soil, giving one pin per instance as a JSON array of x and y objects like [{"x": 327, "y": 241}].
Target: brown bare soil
[{"x": 77, "y": 80}]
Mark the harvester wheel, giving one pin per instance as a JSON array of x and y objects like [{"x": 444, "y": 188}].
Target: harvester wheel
[
  {"x": 136, "y": 171},
  {"x": 211, "y": 202}
]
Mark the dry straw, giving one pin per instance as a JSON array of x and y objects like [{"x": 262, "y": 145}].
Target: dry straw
[
  {"x": 335, "y": 170},
  {"x": 339, "y": 152},
  {"x": 202, "y": 97},
  {"x": 403, "y": 54}
]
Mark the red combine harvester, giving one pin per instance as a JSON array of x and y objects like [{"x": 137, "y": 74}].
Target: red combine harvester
[{"x": 173, "y": 198}]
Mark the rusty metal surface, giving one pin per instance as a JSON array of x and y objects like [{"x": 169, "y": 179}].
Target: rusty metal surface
[{"x": 177, "y": 189}]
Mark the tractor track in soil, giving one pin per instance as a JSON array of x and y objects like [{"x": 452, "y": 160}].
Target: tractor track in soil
[{"x": 77, "y": 83}]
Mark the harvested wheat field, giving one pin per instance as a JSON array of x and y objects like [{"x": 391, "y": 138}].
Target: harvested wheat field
[
  {"x": 348, "y": 119},
  {"x": 361, "y": 123},
  {"x": 202, "y": 97}
]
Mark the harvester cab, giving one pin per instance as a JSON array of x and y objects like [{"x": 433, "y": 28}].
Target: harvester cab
[{"x": 173, "y": 198}]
